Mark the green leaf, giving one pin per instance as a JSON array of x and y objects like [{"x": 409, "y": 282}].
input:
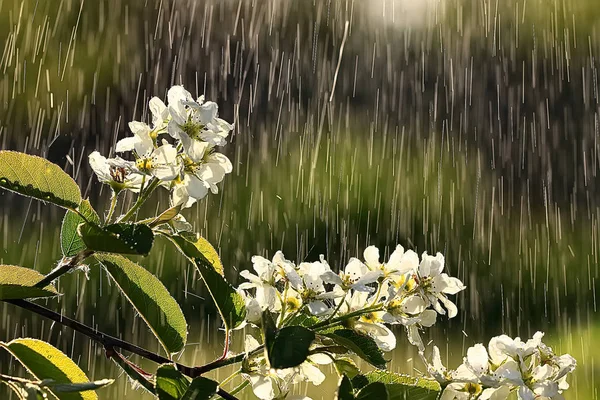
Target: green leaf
[
  {"x": 345, "y": 390},
  {"x": 228, "y": 301},
  {"x": 200, "y": 249},
  {"x": 201, "y": 389},
  {"x": 374, "y": 391},
  {"x": 18, "y": 283},
  {"x": 36, "y": 177},
  {"x": 44, "y": 361},
  {"x": 303, "y": 320},
  {"x": 289, "y": 346},
  {"x": 401, "y": 387},
  {"x": 78, "y": 387},
  {"x": 170, "y": 383},
  {"x": 118, "y": 238},
  {"x": 150, "y": 298},
  {"x": 165, "y": 216},
  {"x": 70, "y": 241},
  {"x": 362, "y": 345},
  {"x": 346, "y": 366}
]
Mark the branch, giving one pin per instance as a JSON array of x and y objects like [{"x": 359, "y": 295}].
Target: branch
[{"x": 110, "y": 341}]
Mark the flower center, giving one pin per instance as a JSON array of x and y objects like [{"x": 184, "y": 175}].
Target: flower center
[
  {"x": 145, "y": 164},
  {"x": 370, "y": 318},
  {"x": 192, "y": 129},
  {"x": 118, "y": 174},
  {"x": 472, "y": 388},
  {"x": 293, "y": 303}
]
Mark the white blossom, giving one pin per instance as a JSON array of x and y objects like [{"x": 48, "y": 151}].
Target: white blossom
[
  {"x": 435, "y": 285},
  {"x": 116, "y": 172}
]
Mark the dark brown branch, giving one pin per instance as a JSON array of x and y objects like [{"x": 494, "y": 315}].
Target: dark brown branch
[{"x": 110, "y": 342}]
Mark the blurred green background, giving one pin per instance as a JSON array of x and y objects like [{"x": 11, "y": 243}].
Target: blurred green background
[{"x": 469, "y": 128}]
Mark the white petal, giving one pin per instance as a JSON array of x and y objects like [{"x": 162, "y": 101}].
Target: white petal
[
  {"x": 355, "y": 269},
  {"x": 371, "y": 255},
  {"x": 477, "y": 359},
  {"x": 312, "y": 373},
  {"x": 450, "y": 306},
  {"x": 464, "y": 373},
  {"x": 413, "y": 305},
  {"x": 195, "y": 149},
  {"x": 167, "y": 168},
  {"x": 208, "y": 112},
  {"x": 262, "y": 386},
  {"x": 437, "y": 361},
  {"x": 425, "y": 266},
  {"x": 395, "y": 258},
  {"x": 409, "y": 262},
  {"x": 195, "y": 187},
  {"x": 126, "y": 144},
  {"x": 221, "y": 160},
  {"x": 454, "y": 285},
  {"x": 427, "y": 318},
  {"x": 526, "y": 394},
  {"x": 318, "y": 307},
  {"x": 100, "y": 166},
  {"x": 500, "y": 393},
  {"x": 331, "y": 277},
  {"x": 159, "y": 111}
]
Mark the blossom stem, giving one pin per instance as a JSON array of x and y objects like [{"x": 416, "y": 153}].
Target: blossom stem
[
  {"x": 283, "y": 305},
  {"x": 337, "y": 308},
  {"x": 376, "y": 297},
  {"x": 113, "y": 205},
  {"x": 228, "y": 361},
  {"x": 240, "y": 387},
  {"x": 230, "y": 377},
  {"x": 140, "y": 200}
]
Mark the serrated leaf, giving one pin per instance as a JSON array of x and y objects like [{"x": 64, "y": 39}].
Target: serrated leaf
[
  {"x": 201, "y": 389},
  {"x": 229, "y": 302},
  {"x": 117, "y": 238},
  {"x": 70, "y": 241},
  {"x": 361, "y": 345},
  {"x": 45, "y": 361},
  {"x": 346, "y": 366},
  {"x": 374, "y": 391},
  {"x": 170, "y": 383},
  {"x": 401, "y": 387},
  {"x": 289, "y": 346},
  {"x": 345, "y": 390},
  {"x": 199, "y": 249},
  {"x": 18, "y": 283},
  {"x": 36, "y": 177},
  {"x": 150, "y": 298}
]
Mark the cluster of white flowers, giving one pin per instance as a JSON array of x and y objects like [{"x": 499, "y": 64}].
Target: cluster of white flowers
[
  {"x": 189, "y": 167},
  {"x": 508, "y": 365},
  {"x": 366, "y": 296}
]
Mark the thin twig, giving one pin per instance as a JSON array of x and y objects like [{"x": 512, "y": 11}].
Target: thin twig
[
  {"x": 106, "y": 340},
  {"x": 109, "y": 342},
  {"x": 64, "y": 268}
]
